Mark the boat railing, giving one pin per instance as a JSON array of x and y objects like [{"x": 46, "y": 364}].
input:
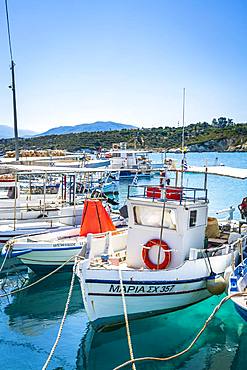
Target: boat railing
[
  {"x": 230, "y": 211},
  {"x": 168, "y": 193},
  {"x": 101, "y": 244},
  {"x": 236, "y": 245}
]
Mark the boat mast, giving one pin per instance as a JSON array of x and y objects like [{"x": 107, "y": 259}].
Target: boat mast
[
  {"x": 12, "y": 68},
  {"x": 183, "y": 149}
]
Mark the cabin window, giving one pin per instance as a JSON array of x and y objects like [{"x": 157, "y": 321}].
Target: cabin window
[
  {"x": 129, "y": 155},
  {"x": 193, "y": 215},
  {"x": 8, "y": 192},
  {"x": 148, "y": 216},
  {"x": 116, "y": 155}
]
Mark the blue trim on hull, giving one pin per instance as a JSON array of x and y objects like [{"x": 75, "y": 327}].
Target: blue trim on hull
[
  {"x": 18, "y": 252},
  {"x": 156, "y": 282}
]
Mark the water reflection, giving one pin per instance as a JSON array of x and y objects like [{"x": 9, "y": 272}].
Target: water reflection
[
  {"x": 32, "y": 310},
  {"x": 218, "y": 348}
]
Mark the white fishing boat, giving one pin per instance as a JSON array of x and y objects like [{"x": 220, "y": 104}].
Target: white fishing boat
[
  {"x": 46, "y": 251},
  {"x": 14, "y": 204},
  {"x": 168, "y": 263},
  {"x": 67, "y": 217},
  {"x": 109, "y": 184},
  {"x": 131, "y": 162},
  {"x": 98, "y": 163}
]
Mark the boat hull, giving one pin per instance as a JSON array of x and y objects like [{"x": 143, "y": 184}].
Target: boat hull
[
  {"x": 45, "y": 260},
  {"x": 147, "y": 293},
  {"x": 127, "y": 174},
  {"x": 238, "y": 284}
]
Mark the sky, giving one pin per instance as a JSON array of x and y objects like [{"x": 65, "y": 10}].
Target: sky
[{"x": 81, "y": 61}]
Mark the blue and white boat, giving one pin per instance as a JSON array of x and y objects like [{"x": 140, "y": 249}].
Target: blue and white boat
[
  {"x": 130, "y": 163},
  {"x": 46, "y": 251},
  {"x": 238, "y": 284}
]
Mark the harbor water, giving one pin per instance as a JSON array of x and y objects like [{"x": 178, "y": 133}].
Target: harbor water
[{"x": 29, "y": 321}]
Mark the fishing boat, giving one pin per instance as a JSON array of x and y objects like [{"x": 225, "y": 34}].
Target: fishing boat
[
  {"x": 14, "y": 204},
  {"x": 130, "y": 163},
  {"x": 96, "y": 163},
  {"x": 238, "y": 284},
  {"x": 168, "y": 263},
  {"x": 67, "y": 218},
  {"x": 46, "y": 251}
]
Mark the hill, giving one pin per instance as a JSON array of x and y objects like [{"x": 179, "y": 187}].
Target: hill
[
  {"x": 7, "y": 132},
  {"x": 87, "y": 127},
  {"x": 199, "y": 137}
]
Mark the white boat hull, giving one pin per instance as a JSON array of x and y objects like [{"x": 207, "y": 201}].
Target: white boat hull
[
  {"x": 41, "y": 261},
  {"x": 170, "y": 289}
]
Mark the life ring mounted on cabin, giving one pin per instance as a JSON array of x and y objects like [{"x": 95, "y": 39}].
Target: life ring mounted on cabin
[{"x": 167, "y": 254}]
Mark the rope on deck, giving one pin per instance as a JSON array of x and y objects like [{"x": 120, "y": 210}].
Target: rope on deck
[
  {"x": 132, "y": 361},
  {"x": 63, "y": 318},
  {"x": 149, "y": 358}
]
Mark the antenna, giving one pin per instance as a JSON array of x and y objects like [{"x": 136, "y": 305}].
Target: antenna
[
  {"x": 183, "y": 151},
  {"x": 183, "y": 120},
  {"x": 12, "y": 68}
]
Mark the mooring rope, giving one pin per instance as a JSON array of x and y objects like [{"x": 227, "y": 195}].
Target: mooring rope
[
  {"x": 4, "y": 260},
  {"x": 132, "y": 361},
  {"x": 37, "y": 281},
  {"x": 63, "y": 319},
  {"x": 149, "y": 358}
]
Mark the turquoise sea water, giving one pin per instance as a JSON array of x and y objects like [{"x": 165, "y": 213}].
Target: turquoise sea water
[{"x": 30, "y": 320}]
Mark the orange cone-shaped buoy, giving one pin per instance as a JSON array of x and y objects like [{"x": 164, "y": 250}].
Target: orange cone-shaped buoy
[{"x": 95, "y": 218}]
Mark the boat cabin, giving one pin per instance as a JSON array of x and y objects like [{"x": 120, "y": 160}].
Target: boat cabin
[
  {"x": 177, "y": 216},
  {"x": 131, "y": 159}
]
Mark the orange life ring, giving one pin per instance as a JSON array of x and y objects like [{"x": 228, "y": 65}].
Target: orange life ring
[{"x": 145, "y": 254}]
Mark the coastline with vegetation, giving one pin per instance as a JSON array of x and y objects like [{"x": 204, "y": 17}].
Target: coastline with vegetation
[{"x": 222, "y": 135}]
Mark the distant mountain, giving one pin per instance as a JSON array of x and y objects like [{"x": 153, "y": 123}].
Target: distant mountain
[
  {"x": 87, "y": 127},
  {"x": 7, "y": 132}
]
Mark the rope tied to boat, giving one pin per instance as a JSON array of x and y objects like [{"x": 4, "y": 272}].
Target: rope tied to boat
[
  {"x": 64, "y": 316},
  {"x": 132, "y": 361},
  {"x": 211, "y": 316},
  {"x": 4, "y": 260},
  {"x": 39, "y": 280}
]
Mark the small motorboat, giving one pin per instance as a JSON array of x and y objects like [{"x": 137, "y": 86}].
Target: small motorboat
[
  {"x": 68, "y": 217},
  {"x": 238, "y": 284}
]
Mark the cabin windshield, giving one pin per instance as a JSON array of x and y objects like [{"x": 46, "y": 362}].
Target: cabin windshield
[{"x": 147, "y": 216}]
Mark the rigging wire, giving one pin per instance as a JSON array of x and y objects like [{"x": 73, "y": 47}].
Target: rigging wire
[{"x": 8, "y": 28}]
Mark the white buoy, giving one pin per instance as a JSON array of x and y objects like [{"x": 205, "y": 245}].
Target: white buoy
[{"x": 216, "y": 284}]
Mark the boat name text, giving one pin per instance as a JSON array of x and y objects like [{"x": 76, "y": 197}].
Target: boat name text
[{"x": 147, "y": 289}]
